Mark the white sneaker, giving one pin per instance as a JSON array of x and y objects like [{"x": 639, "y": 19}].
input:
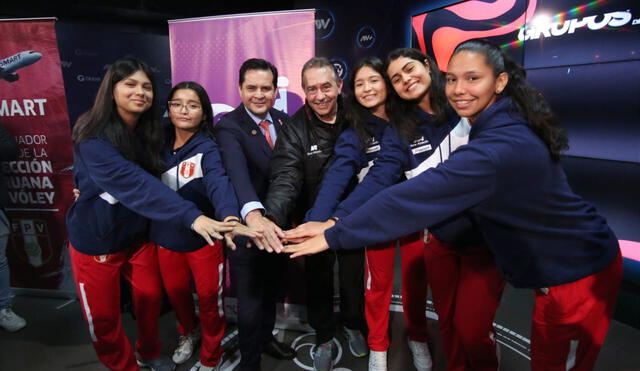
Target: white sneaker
[
  {"x": 10, "y": 321},
  {"x": 421, "y": 355},
  {"x": 377, "y": 361},
  {"x": 186, "y": 344},
  {"x": 199, "y": 367}
]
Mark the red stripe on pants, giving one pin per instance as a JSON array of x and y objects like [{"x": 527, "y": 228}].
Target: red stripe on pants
[
  {"x": 571, "y": 321},
  {"x": 466, "y": 287},
  {"x": 379, "y": 285},
  {"x": 205, "y": 265},
  {"x": 98, "y": 284}
]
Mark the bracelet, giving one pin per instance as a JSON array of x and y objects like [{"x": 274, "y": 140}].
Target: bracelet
[
  {"x": 335, "y": 219},
  {"x": 233, "y": 220}
]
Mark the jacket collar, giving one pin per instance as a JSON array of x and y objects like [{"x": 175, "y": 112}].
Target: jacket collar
[{"x": 501, "y": 113}]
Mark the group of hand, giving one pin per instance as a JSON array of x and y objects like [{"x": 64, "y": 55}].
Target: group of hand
[{"x": 305, "y": 239}]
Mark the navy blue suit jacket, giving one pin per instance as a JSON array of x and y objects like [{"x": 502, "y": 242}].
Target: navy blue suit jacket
[{"x": 246, "y": 153}]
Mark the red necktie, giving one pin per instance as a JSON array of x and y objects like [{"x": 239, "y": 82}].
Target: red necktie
[{"x": 265, "y": 127}]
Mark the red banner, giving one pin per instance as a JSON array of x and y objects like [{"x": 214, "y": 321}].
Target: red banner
[{"x": 34, "y": 110}]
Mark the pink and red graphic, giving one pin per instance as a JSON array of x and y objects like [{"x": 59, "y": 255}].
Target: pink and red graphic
[{"x": 473, "y": 19}]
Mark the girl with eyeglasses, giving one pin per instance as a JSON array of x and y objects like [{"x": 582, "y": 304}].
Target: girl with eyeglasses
[
  {"x": 117, "y": 146},
  {"x": 193, "y": 168},
  {"x": 509, "y": 179}
]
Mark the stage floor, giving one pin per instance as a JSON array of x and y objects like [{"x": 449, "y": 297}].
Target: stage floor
[{"x": 56, "y": 338}]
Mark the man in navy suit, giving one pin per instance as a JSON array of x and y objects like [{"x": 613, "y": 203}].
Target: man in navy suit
[{"x": 246, "y": 137}]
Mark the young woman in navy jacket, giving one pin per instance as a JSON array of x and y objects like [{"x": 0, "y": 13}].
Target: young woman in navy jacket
[
  {"x": 117, "y": 148},
  {"x": 462, "y": 275},
  {"x": 193, "y": 168},
  {"x": 509, "y": 179},
  {"x": 356, "y": 151},
  {"x": 465, "y": 283}
]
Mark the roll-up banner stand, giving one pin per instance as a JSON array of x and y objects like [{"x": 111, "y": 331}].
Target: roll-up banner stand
[{"x": 33, "y": 109}]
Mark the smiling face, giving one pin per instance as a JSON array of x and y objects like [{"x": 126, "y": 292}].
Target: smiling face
[
  {"x": 321, "y": 91},
  {"x": 257, "y": 92},
  {"x": 133, "y": 96},
  {"x": 471, "y": 85},
  {"x": 185, "y": 110},
  {"x": 370, "y": 89},
  {"x": 410, "y": 78}
]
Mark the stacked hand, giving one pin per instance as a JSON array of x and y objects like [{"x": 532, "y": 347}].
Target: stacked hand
[
  {"x": 308, "y": 237},
  {"x": 307, "y": 230},
  {"x": 211, "y": 229},
  {"x": 272, "y": 234},
  {"x": 313, "y": 245}
]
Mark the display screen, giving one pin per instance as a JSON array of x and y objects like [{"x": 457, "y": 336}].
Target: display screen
[{"x": 583, "y": 56}]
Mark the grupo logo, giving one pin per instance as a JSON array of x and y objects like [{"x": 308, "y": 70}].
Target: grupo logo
[
  {"x": 341, "y": 68},
  {"x": 85, "y": 78},
  {"x": 325, "y": 23},
  {"x": 366, "y": 37},
  {"x": 543, "y": 25}
]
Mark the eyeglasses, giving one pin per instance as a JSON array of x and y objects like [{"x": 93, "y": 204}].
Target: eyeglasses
[{"x": 177, "y": 106}]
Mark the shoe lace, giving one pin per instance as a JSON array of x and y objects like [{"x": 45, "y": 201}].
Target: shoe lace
[
  {"x": 8, "y": 315},
  {"x": 184, "y": 341},
  {"x": 377, "y": 360},
  {"x": 419, "y": 349},
  {"x": 322, "y": 348}
]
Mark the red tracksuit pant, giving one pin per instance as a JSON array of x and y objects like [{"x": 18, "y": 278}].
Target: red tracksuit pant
[
  {"x": 570, "y": 321},
  {"x": 98, "y": 284},
  {"x": 466, "y": 288},
  {"x": 205, "y": 265},
  {"x": 379, "y": 284}
]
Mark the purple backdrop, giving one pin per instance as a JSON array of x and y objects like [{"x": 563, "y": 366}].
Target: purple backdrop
[{"x": 210, "y": 51}]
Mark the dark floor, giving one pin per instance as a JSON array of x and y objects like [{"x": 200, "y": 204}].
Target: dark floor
[{"x": 56, "y": 338}]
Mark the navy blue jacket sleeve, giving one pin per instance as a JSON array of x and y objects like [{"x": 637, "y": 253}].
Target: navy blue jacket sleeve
[
  {"x": 219, "y": 188},
  {"x": 229, "y": 139},
  {"x": 132, "y": 186},
  {"x": 385, "y": 172},
  {"x": 464, "y": 180},
  {"x": 346, "y": 164}
]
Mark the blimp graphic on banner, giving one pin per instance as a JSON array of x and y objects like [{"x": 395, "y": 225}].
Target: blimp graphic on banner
[{"x": 10, "y": 65}]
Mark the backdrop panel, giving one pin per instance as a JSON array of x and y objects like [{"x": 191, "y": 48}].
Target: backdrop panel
[
  {"x": 84, "y": 61},
  {"x": 211, "y": 50}
]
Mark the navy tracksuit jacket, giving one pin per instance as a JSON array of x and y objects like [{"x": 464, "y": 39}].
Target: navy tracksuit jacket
[{"x": 540, "y": 232}]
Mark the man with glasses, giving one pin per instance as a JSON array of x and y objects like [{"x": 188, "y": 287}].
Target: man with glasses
[
  {"x": 300, "y": 159},
  {"x": 246, "y": 137}
]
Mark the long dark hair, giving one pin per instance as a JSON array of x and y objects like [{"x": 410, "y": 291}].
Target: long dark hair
[
  {"x": 403, "y": 113},
  {"x": 528, "y": 101},
  {"x": 206, "y": 125},
  {"x": 103, "y": 120},
  {"x": 356, "y": 112}
]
